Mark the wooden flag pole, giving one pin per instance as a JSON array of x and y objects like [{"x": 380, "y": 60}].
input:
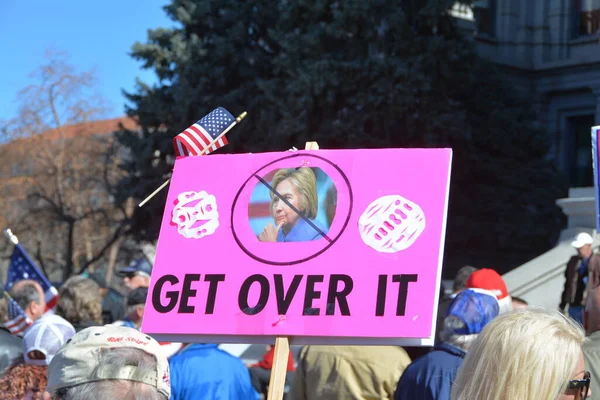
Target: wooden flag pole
[
  {"x": 282, "y": 346},
  {"x": 161, "y": 187}
]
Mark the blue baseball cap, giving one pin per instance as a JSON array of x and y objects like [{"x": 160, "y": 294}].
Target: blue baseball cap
[
  {"x": 139, "y": 265},
  {"x": 475, "y": 308}
]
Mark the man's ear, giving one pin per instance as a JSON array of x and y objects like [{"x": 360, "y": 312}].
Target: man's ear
[
  {"x": 46, "y": 396},
  {"x": 140, "y": 311},
  {"x": 32, "y": 308}
]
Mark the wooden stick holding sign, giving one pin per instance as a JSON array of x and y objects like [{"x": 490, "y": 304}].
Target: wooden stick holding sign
[
  {"x": 311, "y": 146},
  {"x": 279, "y": 369},
  {"x": 282, "y": 346}
]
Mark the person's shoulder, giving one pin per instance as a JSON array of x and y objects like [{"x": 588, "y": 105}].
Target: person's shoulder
[
  {"x": 414, "y": 369},
  {"x": 207, "y": 350},
  {"x": 229, "y": 358},
  {"x": 434, "y": 362},
  {"x": 592, "y": 343},
  {"x": 388, "y": 349},
  {"x": 182, "y": 356},
  {"x": 595, "y": 260},
  {"x": 359, "y": 353},
  {"x": 114, "y": 295},
  {"x": 449, "y": 353},
  {"x": 8, "y": 339},
  {"x": 309, "y": 353},
  {"x": 394, "y": 355}
]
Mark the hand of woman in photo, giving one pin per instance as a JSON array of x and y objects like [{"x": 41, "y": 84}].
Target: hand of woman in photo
[{"x": 269, "y": 234}]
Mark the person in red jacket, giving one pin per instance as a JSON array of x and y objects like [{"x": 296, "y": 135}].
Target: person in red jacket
[{"x": 260, "y": 373}]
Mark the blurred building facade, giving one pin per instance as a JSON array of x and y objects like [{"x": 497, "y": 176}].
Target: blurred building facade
[{"x": 551, "y": 48}]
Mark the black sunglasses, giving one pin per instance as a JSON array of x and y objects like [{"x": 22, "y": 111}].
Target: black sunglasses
[{"x": 582, "y": 384}]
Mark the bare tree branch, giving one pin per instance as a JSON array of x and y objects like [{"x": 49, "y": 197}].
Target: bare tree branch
[
  {"x": 118, "y": 233},
  {"x": 65, "y": 207}
]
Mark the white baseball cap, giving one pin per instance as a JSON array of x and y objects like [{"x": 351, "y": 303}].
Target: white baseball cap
[
  {"x": 77, "y": 362},
  {"x": 581, "y": 240},
  {"x": 46, "y": 335}
]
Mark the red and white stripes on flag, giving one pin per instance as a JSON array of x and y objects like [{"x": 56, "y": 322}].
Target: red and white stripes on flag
[
  {"x": 19, "y": 321},
  {"x": 204, "y": 136},
  {"x": 51, "y": 297},
  {"x": 19, "y": 325},
  {"x": 194, "y": 140}
]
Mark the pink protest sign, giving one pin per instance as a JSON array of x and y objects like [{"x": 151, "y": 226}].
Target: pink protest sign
[{"x": 340, "y": 246}]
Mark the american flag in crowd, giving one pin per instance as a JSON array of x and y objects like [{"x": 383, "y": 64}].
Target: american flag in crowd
[
  {"x": 18, "y": 321},
  {"x": 195, "y": 139},
  {"x": 22, "y": 267}
]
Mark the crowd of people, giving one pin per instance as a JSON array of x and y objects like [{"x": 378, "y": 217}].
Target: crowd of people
[{"x": 489, "y": 346}]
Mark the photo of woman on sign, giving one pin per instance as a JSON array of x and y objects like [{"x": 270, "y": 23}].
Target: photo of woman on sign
[{"x": 293, "y": 208}]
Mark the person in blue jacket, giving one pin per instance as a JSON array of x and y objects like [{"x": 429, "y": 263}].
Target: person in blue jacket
[
  {"x": 298, "y": 186},
  {"x": 203, "y": 371},
  {"x": 430, "y": 377}
]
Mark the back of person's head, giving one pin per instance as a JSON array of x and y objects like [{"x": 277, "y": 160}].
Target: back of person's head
[
  {"x": 137, "y": 296},
  {"x": 99, "y": 278},
  {"x": 527, "y": 354},
  {"x": 110, "y": 362},
  {"x": 136, "y": 304},
  {"x": 460, "y": 280},
  {"x": 23, "y": 380},
  {"x": 25, "y": 293},
  {"x": 80, "y": 301},
  {"x": 518, "y": 302},
  {"x": 44, "y": 338},
  {"x": 113, "y": 306},
  {"x": 118, "y": 359},
  {"x": 470, "y": 311}
]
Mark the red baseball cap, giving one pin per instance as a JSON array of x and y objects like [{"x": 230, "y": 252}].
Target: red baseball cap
[{"x": 490, "y": 280}]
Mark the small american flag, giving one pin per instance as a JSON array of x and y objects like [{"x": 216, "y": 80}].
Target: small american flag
[
  {"x": 18, "y": 321},
  {"x": 195, "y": 139},
  {"x": 22, "y": 267}
]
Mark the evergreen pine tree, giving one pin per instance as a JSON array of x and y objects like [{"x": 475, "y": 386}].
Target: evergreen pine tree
[{"x": 355, "y": 74}]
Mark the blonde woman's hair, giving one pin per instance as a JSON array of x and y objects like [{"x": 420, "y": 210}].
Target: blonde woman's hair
[
  {"x": 525, "y": 354},
  {"x": 306, "y": 183}
]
